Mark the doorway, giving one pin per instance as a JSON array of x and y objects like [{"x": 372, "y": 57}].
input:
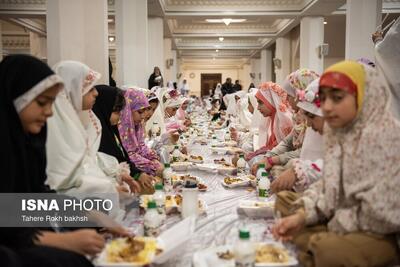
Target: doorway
[{"x": 209, "y": 81}]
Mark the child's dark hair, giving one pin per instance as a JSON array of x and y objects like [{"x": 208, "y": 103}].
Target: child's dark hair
[
  {"x": 120, "y": 102},
  {"x": 154, "y": 100},
  {"x": 214, "y": 101}
]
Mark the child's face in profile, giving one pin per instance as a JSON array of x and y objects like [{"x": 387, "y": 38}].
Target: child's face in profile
[
  {"x": 338, "y": 106},
  {"x": 315, "y": 122}
]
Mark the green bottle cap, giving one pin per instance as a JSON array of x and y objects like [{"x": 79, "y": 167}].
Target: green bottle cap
[
  {"x": 167, "y": 165},
  {"x": 176, "y": 147},
  {"x": 241, "y": 156},
  {"x": 151, "y": 204},
  {"x": 159, "y": 187},
  {"x": 262, "y": 165},
  {"x": 214, "y": 137},
  {"x": 244, "y": 234}
]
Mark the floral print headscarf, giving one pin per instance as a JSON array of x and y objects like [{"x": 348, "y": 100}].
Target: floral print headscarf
[{"x": 132, "y": 134}]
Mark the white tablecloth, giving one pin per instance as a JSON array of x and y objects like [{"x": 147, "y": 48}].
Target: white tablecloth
[{"x": 220, "y": 224}]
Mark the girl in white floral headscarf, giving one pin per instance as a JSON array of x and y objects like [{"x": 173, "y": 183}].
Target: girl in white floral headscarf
[
  {"x": 306, "y": 169},
  {"x": 74, "y": 135},
  {"x": 357, "y": 200}
]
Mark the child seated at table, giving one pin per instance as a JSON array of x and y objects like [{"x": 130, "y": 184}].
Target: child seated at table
[{"x": 352, "y": 214}]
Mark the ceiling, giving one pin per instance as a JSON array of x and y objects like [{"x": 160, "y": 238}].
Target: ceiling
[{"x": 195, "y": 39}]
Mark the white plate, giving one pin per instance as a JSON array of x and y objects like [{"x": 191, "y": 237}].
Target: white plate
[
  {"x": 195, "y": 160},
  {"x": 101, "y": 260},
  {"x": 226, "y": 150},
  {"x": 244, "y": 182},
  {"x": 209, "y": 167},
  {"x": 224, "y": 170},
  {"x": 179, "y": 181},
  {"x": 181, "y": 166},
  {"x": 256, "y": 209},
  {"x": 209, "y": 258}
]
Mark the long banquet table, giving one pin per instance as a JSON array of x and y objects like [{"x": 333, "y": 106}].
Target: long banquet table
[{"x": 220, "y": 224}]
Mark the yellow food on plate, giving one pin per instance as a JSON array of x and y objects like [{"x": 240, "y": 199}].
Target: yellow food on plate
[
  {"x": 267, "y": 253},
  {"x": 193, "y": 157},
  {"x": 232, "y": 180},
  {"x": 138, "y": 250}
]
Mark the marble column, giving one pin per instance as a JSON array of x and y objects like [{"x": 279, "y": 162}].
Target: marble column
[
  {"x": 311, "y": 38},
  {"x": 362, "y": 18},
  {"x": 156, "y": 46},
  {"x": 131, "y": 42},
  {"x": 170, "y": 70},
  {"x": 38, "y": 45},
  {"x": 78, "y": 30},
  {"x": 282, "y": 55},
  {"x": 266, "y": 65}
]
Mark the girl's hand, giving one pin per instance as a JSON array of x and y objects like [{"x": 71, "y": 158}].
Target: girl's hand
[
  {"x": 285, "y": 181},
  {"x": 287, "y": 227},
  {"x": 85, "y": 241},
  {"x": 133, "y": 185},
  {"x": 146, "y": 180}
]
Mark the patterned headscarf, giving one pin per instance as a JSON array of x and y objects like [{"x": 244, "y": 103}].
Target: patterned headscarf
[
  {"x": 298, "y": 81},
  {"x": 311, "y": 102},
  {"x": 136, "y": 99},
  {"x": 280, "y": 122},
  {"x": 295, "y": 86},
  {"x": 359, "y": 189},
  {"x": 132, "y": 134},
  {"x": 346, "y": 75}
]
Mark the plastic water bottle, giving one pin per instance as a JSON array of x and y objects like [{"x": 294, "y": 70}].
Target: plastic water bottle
[
  {"x": 241, "y": 163},
  {"x": 155, "y": 129},
  {"x": 261, "y": 169},
  {"x": 152, "y": 220},
  {"x": 176, "y": 154},
  {"x": 263, "y": 186},
  {"x": 244, "y": 250},
  {"x": 227, "y": 136},
  {"x": 190, "y": 200},
  {"x": 167, "y": 177},
  {"x": 159, "y": 198}
]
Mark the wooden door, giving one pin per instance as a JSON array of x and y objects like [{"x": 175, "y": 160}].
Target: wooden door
[{"x": 209, "y": 81}]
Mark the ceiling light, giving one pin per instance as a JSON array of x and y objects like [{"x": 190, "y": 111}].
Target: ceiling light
[
  {"x": 111, "y": 38},
  {"x": 216, "y": 50},
  {"x": 325, "y": 22},
  {"x": 221, "y": 39},
  {"x": 227, "y": 21}
]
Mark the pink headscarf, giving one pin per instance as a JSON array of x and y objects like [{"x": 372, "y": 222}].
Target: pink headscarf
[
  {"x": 132, "y": 134},
  {"x": 280, "y": 123},
  {"x": 180, "y": 113}
]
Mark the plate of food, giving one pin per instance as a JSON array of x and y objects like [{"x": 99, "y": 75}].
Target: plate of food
[
  {"x": 181, "y": 166},
  {"x": 256, "y": 209},
  {"x": 171, "y": 204},
  {"x": 178, "y": 179},
  {"x": 196, "y": 159},
  {"x": 208, "y": 167},
  {"x": 268, "y": 254},
  {"x": 230, "y": 150},
  {"x": 232, "y": 182},
  {"x": 129, "y": 251},
  {"x": 227, "y": 169},
  {"x": 220, "y": 161}
]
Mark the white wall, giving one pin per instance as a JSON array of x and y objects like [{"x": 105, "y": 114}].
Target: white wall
[
  {"x": 244, "y": 76},
  {"x": 195, "y": 83}
]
